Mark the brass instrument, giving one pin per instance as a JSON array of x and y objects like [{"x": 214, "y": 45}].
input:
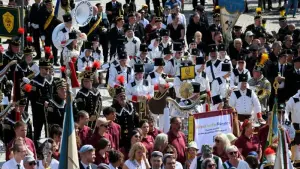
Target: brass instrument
[
  {"x": 5, "y": 69},
  {"x": 111, "y": 91},
  {"x": 260, "y": 92},
  {"x": 186, "y": 90},
  {"x": 4, "y": 112},
  {"x": 188, "y": 108}
]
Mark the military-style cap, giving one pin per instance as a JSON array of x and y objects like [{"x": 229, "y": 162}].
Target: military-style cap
[
  {"x": 93, "y": 38},
  {"x": 131, "y": 14},
  {"x": 243, "y": 77},
  {"x": 122, "y": 55},
  {"x": 254, "y": 47},
  {"x": 119, "y": 18},
  {"x": 164, "y": 32},
  {"x": 67, "y": 17},
  {"x": 213, "y": 28},
  {"x": 28, "y": 159},
  {"x": 143, "y": 47},
  {"x": 195, "y": 52},
  {"x": 15, "y": 41},
  {"x": 47, "y": 1},
  {"x": 200, "y": 60},
  {"x": 127, "y": 28},
  {"x": 28, "y": 50},
  {"x": 296, "y": 59},
  {"x": 159, "y": 62},
  {"x": 22, "y": 102},
  {"x": 196, "y": 87},
  {"x": 88, "y": 45},
  {"x": 119, "y": 90},
  {"x": 215, "y": 15},
  {"x": 221, "y": 47},
  {"x": 240, "y": 58},
  {"x": 212, "y": 48},
  {"x": 72, "y": 35},
  {"x": 45, "y": 63},
  {"x": 167, "y": 51},
  {"x": 177, "y": 46},
  {"x": 237, "y": 27},
  {"x": 290, "y": 52},
  {"x": 86, "y": 148},
  {"x": 226, "y": 67},
  {"x": 60, "y": 83},
  {"x": 121, "y": 48},
  {"x": 258, "y": 68},
  {"x": 103, "y": 166},
  {"x": 158, "y": 19},
  {"x": 88, "y": 74},
  {"x": 282, "y": 18},
  {"x": 257, "y": 17},
  {"x": 139, "y": 68}
]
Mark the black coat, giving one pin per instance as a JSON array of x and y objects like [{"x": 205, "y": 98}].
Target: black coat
[
  {"x": 291, "y": 77},
  {"x": 116, "y": 11},
  {"x": 138, "y": 30},
  {"x": 192, "y": 28}
]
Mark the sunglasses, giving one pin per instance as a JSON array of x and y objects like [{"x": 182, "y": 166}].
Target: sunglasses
[
  {"x": 234, "y": 152},
  {"x": 211, "y": 165},
  {"x": 102, "y": 125},
  {"x": 169, "y": 152},
  {"x": 32, "y": 163},
  {"x": 137, "y": 136}
]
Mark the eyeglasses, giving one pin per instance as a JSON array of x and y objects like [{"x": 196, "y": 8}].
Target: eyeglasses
[
  {"x": 217, "y": 140},
  {"x": 169, "y": 152},
  {"x": 234, "y": 152},
  {"x": 102, "y": 125},
  {"x": 32, "y": 163},
  {"x": 211, "y": 165},
  {"x": 137, "y": 136}
]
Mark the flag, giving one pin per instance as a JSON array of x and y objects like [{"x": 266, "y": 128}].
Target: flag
[
  {"x": 273, "y": 126},
  {"x": 68, "y": 153},
  {"x": 282, "y": 160}
]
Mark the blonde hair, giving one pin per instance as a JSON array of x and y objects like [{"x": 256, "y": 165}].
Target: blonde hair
[
  {"x": 197, "y": 34},
  {"x": 231, "y": 149},
  {"x": 134, "y": 148},
  {"x": 237, "y": 40},
  {"x": 223, "y": 140}
]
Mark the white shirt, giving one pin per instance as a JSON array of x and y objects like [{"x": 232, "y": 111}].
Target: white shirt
[
  {"x": 182, "y": 19},
  {"x": 82, "y": 65},
  {"x": 294, "y": 108},
  {"x": 171, "y": 69},
  {"x": 131, "y": 47},
  {"x": 133, "y": 164},
  {"x": 194, "y": 163},
  {"x": 158, "y": 79},
  {"x": 145, "y": 22},
  {"x": 53, "y": 165},
  {"x": 12, "y": 164},
  {"x": 204, "y": 83},
  {"x": 245, "y": 105},
  {"x": 281, "y": 85},
  {"x": 242, "y": 165},
  {"x": 216, "y": 70},
  {"x": 234, "y": 80},
  {"x": 137, "y": 88},
  {"x": 113, "y": 76},
  {"x": 219, "y": 89}
]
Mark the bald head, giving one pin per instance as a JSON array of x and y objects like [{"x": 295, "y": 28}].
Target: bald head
[{"x": 95, "y": 10}]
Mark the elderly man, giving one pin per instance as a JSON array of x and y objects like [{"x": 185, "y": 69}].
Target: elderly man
[
  {"x": 29, "y": 162},
  {"x": 87, "y": 156},
  {"x": 19, "y": 152},
  {"x": 206, "y": 152},
  {"x": 156, "y": 159}
]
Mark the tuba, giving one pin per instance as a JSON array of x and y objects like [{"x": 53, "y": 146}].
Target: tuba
[{"x": 260, "y": 92}]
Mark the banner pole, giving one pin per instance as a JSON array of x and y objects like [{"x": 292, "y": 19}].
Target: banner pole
[{"x": 22, "y": 24}]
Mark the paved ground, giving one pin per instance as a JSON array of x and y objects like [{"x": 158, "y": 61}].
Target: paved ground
[{"x": 244, "y": 20}]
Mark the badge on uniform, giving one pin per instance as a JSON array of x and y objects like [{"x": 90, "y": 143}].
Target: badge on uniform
[{"x": 187, "y": 72}]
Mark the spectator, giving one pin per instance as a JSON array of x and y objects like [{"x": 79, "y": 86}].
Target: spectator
[
  {"x": 21, "y": 131},
  {"x": 153, "y": 131},
  {"x": 169, "y": 161},
  {"x": 192, "y": 153},
  {"x": 209, "y": 163},
  {"x": 55, "y": 134},
  {"x": 137, "y": 157},
  {"x": 176, "y": 28},
  {"x": 46, "y": 154},
  {"x": 161, "y": 142},
  {"x": 87, "y": 157},
  {"x": 195, "y": 26},
  {"x": 172, "y": 150},
  {"x": 156, "y": 159},
  {"x": 177, "y": 138},
  {"x": 114, "y": 129},
  {"x": 248, "y": 142},
  {"x": 206, "y": 153},
  {"x": 102, "y": 149},
  {"x": 147, "y": 140},
  {"x": 233, "y": 153},
  {"x": 231, "y": 137},
  {"x": 221, "y": 144},
  {"x": 19, "y": 153},
  {"x": 176, "y": 11},
  {"x": 101, "y": 132},
  {"x": 116, "y": 159},
  {"x": 84, "y": 131},
  {"x": 29, "y": 162},
  {"x": 172, "y": 3},
  {"x": 252, "y": 162},
  {"x": 135, "y": 136}
]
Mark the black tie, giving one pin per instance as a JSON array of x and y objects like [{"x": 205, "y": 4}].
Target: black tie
[
  {"x": 281, "y": 69},
  {"x": 18, "y": 166}
]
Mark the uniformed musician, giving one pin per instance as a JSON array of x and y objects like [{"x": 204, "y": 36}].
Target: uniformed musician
[
  {"x": 201, "y": 77},
  {"x": 40, "y": 93},
  {"x": 34, "y": 23},
  {"x": 132, "y": 43},
  {"x": 245, "y": 101},
  {"x": 213, "y": 66},
  {"x": 56, "y": 106},
  {"x": 154, "y": 47},
  {"x": 166, "y": 40},
  {"x": 137, "y": 28},
  {"x": 240, "y": 69},
  {"x": 120, "y": 70},
  {"x": 167, "y": 54},
  {"x": 220, "y": 86},
  {"x": 173, "y": 65},
  {"x": 142, "y": 56},
  {"x": 127, "y": 117},
  {"x": 257, "y": 27},
  {"x": 223, "y": 54},
  {"x": 97, "y": 53},
  {"x": 88, "y": 97},
  {"x": 139, "y": 90},
  {"x": 86, "y": 59},
  {"x": 270, "y": 155},
  {"x": 283, "y": 30},
  {"x": 63, "y": 35}
]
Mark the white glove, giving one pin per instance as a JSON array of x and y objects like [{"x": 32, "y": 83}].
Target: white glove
[
  {"x": 43, "y": 38},
  {"x": 26, "y": 80},
  {"x": 104, "y": 30}
]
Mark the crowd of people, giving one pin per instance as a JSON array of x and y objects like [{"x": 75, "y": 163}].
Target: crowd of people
[{"x": 145, "y": 56}]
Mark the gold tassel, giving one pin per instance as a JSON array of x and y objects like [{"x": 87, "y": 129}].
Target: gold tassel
[{"x": 258, "y": 10}]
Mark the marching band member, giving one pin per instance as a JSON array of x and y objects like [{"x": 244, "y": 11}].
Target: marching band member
[
  {"x": 240, "y": 69},
  {"x": 201, "y": 75},
  {"x": 167, "y": 54},
  {"x": 143, "y": 58},
  {"x": 70, "y": 49},
  {"x": 245, "y": 101},
  {"x": 223, "y": 54},
  {"x": 219, "y": 87},
  {"x": 166, "y": 40},
  {"x": 213, "y": 66},
  {"x": 86, "y": 59},
  {"x": 262, "y": 86},
  {"x": 155, "y": 48},
  {"x": 127, "y": 117},
  {"x": 172, "y": 66},
  {"x": 270, "y": 155},
  {"x": 194, "y": 54},
  {"x": 121, "y": 70},
  {"x": 139, "y": 90},
  {"x": 97, "y": 54},
  {"x": 132, "y": 43},
  {"x": 88, "y": 97},
  {"x": 39, "y": 94},
  {"x": 63, "y": 35}
]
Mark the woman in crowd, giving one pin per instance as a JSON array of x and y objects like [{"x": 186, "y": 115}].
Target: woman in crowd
[
  {"x": 137, "y": 158},
  {"x": 234, "y": 161},
  {"x": 100, "y": 132},
  {"x": 208, "y": 163},
  {"x": 101, "y": 152},
  {"x": 78, "y": 140},
  {"x": 147, "y": 140},
  {"x": 135, "y": 136},
  {"x": 172, "y": 150},
  {"x": 46, "y": 155},
  {"x": 248, "y": 142},
  {"x": 221, "y": 143},
  {"x": 176, "y": 29},
  {"x": 231, "y": 137},
  {"x": 116, "y": 159},
  {"x": 55, "y": 134},
  {"x": 252, "y": 162},
  {"x": 192, "y": 153},
  {"x": 200, "y": 44},
  {"x": 161, "y": 142}
]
